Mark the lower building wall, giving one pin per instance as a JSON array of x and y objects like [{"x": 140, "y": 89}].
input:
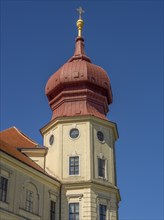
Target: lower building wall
[
  {"x": 89, "y": 199},
  {"x": 22, "y": 181},
  {"x": 5, "y": 215}
]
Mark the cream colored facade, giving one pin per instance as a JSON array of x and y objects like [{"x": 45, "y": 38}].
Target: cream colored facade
[
  {"x": 73, "y": 176},
  {"x": 20, "y": 179},
  {"x": 87, "y": 188}
]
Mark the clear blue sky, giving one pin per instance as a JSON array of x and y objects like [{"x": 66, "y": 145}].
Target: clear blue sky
[{"x": 125, "y": 38}]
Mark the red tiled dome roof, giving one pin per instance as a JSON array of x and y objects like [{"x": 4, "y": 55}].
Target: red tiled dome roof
[{"x": 79, "y": 83}]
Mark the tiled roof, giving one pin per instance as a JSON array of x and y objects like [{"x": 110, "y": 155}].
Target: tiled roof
[
  {"x": 79, "y": 87},
  {"x": 12, "y": 140},
  {"x": 12, "y": 151},
  {"x": 15, "y": 138}
]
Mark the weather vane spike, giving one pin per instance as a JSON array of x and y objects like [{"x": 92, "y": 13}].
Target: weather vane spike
[
  {"x": 80, "y": 22},
  {"x": 81, "y": 11}
]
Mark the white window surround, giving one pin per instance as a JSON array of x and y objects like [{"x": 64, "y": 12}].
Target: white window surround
[
  {"x": 75, "y": 198},
  {"x": 47, "y": 136},
  {"x": 75, "y": 213},
  {"x": 101, "y": 156},
  {"x": 74, "y": 154},
  {"x": 7, "y": 173},
  {"x": 52, "y": 211},
  {"x": 29, "y": 200},
  {"x": 4, "y": 188},
  {"x": 29, "y": 185},
  {"x": 106, "y": 213},
  {"x": 53, "y": 195},
  {"x": 101, "y": 141},
  {"x": 74, "y": 165},
  {"x": 74, "y": 139},
  {"x": 104, "y": 200}
]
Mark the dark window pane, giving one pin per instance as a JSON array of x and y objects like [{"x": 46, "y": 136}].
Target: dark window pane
[
  {"x": 74, "y": 211},
  {"x": 3, "y": 188},
  {"x": 71, "y": 216},
  {"x": 101, "y": 167},
  {"x": 71, "y": 161},
  {"x": 76, "y": 217},
  {"x": 52, "y": 210},
  {"x": 74, "y": 165},
  {"x": 77, "y": 172},
  {"x": 71, "y": 208},
  {"x": 76, "y": 207},
  {"x": 74, "y": 133},
  {"x": 102, "y": 212},
  {"x": 29, "y": 200},
  {"x": 100, "y": 136}
]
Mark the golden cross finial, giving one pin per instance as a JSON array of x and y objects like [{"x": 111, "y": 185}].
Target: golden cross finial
[
  {"x": 80, "y": 22},
  {"x": 81, "y": 11}
]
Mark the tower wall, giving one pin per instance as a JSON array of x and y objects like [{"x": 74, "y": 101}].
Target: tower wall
[
  {"x": 88, "y": 188},
  {"x": 89, "y": 197}
]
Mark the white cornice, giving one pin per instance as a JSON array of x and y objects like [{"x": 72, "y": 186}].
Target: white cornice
[{"x": 103, "y": 122}]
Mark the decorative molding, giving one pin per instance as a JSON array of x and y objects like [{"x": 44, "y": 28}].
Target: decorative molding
[
  {"x": 6, "y": 169},
  {"x": 102, "y": 196},
  {"x": 73, "y": 153},
  {"x": 79, "y": 196},
  {"x": 74, "y": 125},
  {"x": 101, "y": 156},
  {"x": 52, "y": 192}
]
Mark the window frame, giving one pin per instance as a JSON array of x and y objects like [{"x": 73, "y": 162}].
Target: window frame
[
  {"x": 75, "y": 214},
  {"x": 74, "y": 138},
  {"x": 74, "y": 166},
  {"x": 52, "y": 210},
  {"x": 98, "y": 138},
  {"x": 102, "y": 170},
  {"x": 3, "y": 188},
  {"x": 101, "y": 214},
  {"x": 29, "y": 201}
]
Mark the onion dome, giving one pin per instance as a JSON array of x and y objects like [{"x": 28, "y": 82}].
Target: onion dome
[{"x": 79, "y": 87}]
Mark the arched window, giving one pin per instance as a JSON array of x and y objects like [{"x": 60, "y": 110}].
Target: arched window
[{"x": 30, "y": 197}]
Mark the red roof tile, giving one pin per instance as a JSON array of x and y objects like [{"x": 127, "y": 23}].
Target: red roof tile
[
  {"x": 15, "y": 138},
  {"x": 79, "y": 87},
  {"x": 8, "y": 145},
  {"x": 10, "y": 150}
]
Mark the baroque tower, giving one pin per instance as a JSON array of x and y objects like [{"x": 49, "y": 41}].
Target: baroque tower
[{"x": 80, "y": 138}]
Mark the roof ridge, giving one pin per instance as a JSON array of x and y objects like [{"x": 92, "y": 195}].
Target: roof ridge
[
  {"x": 25, "y": 136},
  {"x": 7, "y": 129}
]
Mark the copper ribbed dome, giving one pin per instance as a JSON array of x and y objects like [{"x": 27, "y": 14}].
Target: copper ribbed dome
[{"x": 79, "y": 87}]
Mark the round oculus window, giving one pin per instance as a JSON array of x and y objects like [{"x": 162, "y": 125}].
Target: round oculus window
[
  {"x": 51, "y": 139},
  {"x": 100, "y": 136},
  {"x": 74, "y": 133}
]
